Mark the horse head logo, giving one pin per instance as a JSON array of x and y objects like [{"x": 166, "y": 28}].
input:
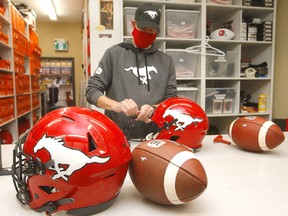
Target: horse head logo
[
  {"x": 72, "y": 159},
  {"x": 144, "y": 72},
  {"x": 151, "y": 13},
  {"x": 183, "y": 120}
]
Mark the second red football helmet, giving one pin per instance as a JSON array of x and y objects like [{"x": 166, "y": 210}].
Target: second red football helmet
[
  {"x": 181, "y": 120},
  {"x": 74, "y": 159}
]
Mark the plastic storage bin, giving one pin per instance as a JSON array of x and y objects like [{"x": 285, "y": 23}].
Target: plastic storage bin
[
  {"x": 187, "y": 92},
  {"x": 220, "y": 100},
  {"x": 223, "y": 2},
  {"x": 181, "y": 23},
  {"x": 225, "y": 68},
  {"x": 45, "y": 68},
  {"x": 185, "y": 63},
  {"x": 129, "y": 15},
  {"x": 55, "y": 67},
  {"x": 66, "y": 67},
  {"x": 190, "y": 1}
]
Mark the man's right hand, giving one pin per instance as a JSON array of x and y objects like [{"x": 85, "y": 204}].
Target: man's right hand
[{"x": 129, "y": 107}]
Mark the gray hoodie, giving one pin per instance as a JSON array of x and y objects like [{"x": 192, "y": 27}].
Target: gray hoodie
[{"x": 146, "y": 76}]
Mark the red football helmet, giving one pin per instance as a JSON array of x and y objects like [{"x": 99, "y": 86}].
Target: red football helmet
[
  {"x": 181, "y": 120},
  {"x": 74, "y": 159}
]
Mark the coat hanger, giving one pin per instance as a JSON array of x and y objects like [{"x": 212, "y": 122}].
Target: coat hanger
[{"x": 198, "y": 49}]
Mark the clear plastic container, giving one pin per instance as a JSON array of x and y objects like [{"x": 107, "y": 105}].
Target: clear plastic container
[
  {"x": 181, "y": 23},
  {"x": 185, "y": 63}
]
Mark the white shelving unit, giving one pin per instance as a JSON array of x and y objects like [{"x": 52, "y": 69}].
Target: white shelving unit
[
  {"x": 231, "y": 81},
  {"x": 20, "y": 91},
  {"x": 58, "y": 71}
]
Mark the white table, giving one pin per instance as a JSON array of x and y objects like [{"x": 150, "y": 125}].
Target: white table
[{"x": 240, "y": 183}]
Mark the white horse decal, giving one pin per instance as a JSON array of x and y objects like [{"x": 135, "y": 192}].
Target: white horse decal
[
  {"x": 183, "y": 120},
  {"x": 151, "y": 13},
  {"x": 62, "y": 155},
  {"x": 142, "y": 72}
]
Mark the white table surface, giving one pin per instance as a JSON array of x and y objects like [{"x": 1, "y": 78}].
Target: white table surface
[{"x": 240, "y": 183}]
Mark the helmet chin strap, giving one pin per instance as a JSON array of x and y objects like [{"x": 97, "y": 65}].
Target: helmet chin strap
[
  {"x": 151, "y": 136},
  {"x": 51, "y": 207},
  {"x": 166, "y": 126}
]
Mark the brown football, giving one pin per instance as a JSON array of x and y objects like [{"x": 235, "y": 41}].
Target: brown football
[
  {"x": 255, "y": 133},
  {"x": 167, "y": 172}
]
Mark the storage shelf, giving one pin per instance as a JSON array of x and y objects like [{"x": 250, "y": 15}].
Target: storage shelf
[
  {"x": 7, "y": 122},
  {"x": 11, "y": 100},
  {"x": 238, "y": 78},
  {"x": 58, "y": 63},
  {"x": 6, "y": 71},
  {"x": 4, "y": 20},
  {"x": 256, "y": 51},
  {"x": 237, "y": 114},
  {"x": 4, "y": 45},
  {"x": 55, "y": 75}
]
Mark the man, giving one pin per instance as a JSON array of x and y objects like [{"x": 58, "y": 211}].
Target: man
[{"x": 135, "y": 75}]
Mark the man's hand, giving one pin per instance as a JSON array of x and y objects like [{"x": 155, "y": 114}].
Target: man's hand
[
  {"x": 146, "y": 111},
  {"x": 129, "y": 107}
]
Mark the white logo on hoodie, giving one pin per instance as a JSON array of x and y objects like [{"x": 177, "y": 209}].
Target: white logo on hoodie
[
  {"x": 142, "y": 72},
  {"x": 98, "y": 70}
]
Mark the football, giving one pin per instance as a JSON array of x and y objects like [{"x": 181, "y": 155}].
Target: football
[
  {"x": 167, "y": 172},
  {"x": 222, "y": 34},
  {"x": 256, "y": 134}
]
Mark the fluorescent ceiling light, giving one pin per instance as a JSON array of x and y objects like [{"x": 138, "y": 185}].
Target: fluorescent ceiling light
[{"x": 50, "y": 10}]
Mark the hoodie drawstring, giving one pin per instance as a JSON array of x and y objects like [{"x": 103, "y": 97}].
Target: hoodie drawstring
[
  {"x": 148, "y": 82},
  {"x": 138, "y": 73},
  {"x": 137, "y": 65}
]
